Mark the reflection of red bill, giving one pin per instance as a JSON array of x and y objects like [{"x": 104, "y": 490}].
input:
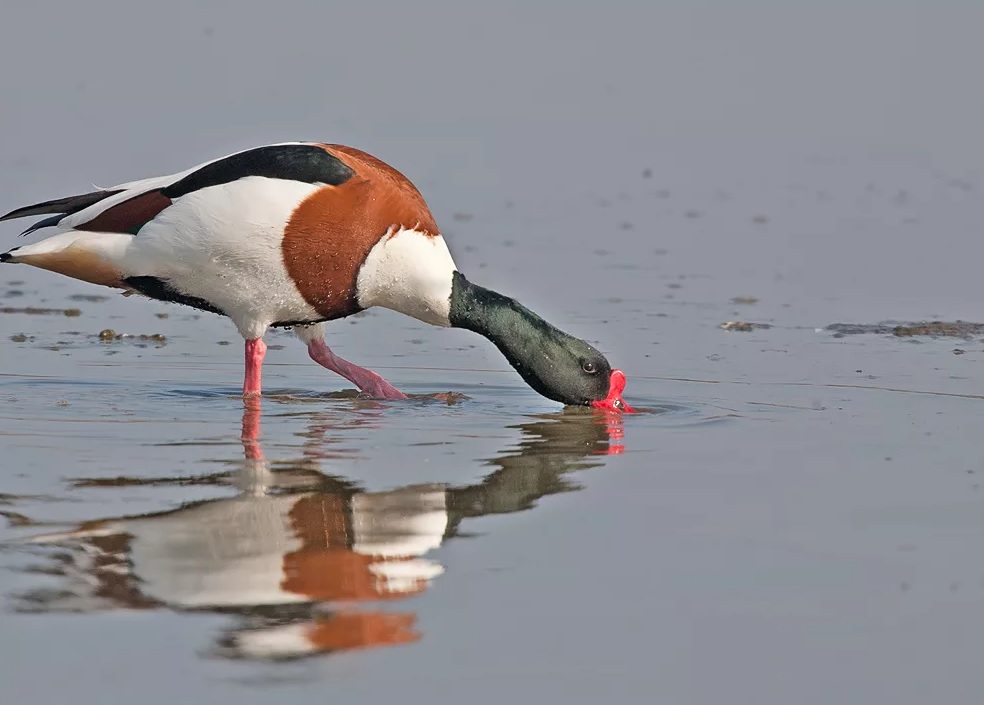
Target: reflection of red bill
[
  {"x": 614, "y": 400},
  {"x": 612, "y": 421}
]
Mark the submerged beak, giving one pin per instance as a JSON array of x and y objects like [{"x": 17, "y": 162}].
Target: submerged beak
[{"x": 614, "y": 400}]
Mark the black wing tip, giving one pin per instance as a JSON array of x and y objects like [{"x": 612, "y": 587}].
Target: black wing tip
[
  {"x": 16, "y": 213},
  {"x": 36, "y": 209},
  {"x": 47, "y": 222},
  {"x": 5, "y": 256},
  {"x": 60, "y": 206}
]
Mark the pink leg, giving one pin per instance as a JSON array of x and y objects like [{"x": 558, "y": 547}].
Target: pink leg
[
  {"x": 366, "y": 380},
  {"x": 255, "y": 350}
]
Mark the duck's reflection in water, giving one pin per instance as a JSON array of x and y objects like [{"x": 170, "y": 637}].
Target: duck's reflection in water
[{"x": 297, "y": 556}]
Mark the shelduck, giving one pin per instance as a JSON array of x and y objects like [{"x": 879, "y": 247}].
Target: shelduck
[{"x": 297, "y": 234}]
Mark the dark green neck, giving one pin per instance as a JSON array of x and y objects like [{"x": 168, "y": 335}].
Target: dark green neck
[{"x": 521, "y": 335}]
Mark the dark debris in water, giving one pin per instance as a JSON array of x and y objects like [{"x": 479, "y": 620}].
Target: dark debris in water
[
  {"x": 38, "y": 311},
  {"x": 92, "y": 298},
  {"x": 931, "y": 329},
  {"x": 127, "y": 481},
  {"x": 744, "y": 326},
  {"x": 109, "y": 335},
  {"x": 938, "y": 329},
  {"x": 449, "y": 398}
]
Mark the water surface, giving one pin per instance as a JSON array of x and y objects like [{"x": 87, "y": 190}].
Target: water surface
[{"x": 796, "y": 517}]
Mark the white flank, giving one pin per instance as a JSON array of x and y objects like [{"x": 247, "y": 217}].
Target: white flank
[
  {"x": 223, "y": 244},
  {"x": 409, "y": 272}
]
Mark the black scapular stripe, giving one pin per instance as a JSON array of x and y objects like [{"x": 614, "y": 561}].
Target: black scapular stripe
[
  {"x": 294, "y": 162},
  {"x": 161, "y": 289}
]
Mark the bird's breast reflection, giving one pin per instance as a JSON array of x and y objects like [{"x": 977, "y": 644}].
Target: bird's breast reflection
[{"x": 302, "y": 561}]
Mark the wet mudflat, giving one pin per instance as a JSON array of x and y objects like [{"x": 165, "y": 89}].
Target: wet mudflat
[{"x": 792, "y": 288}]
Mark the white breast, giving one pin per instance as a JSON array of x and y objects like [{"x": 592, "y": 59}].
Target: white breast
[{"x": 409, "y": 272}]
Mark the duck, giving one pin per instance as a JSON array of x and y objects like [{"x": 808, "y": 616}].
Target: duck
[{"x": 294, "y": 235}]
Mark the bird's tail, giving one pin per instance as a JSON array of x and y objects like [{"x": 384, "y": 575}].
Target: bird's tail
[{"x": 92, "y": 257}]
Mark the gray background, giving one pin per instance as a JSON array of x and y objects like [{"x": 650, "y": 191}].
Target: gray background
[{"x": 800, "y": 524}]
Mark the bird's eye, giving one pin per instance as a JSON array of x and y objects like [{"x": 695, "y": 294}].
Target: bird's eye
[{"x": 589, "y": 367}]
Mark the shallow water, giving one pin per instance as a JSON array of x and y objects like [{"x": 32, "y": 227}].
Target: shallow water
[{"x": 794, "y": 516}]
